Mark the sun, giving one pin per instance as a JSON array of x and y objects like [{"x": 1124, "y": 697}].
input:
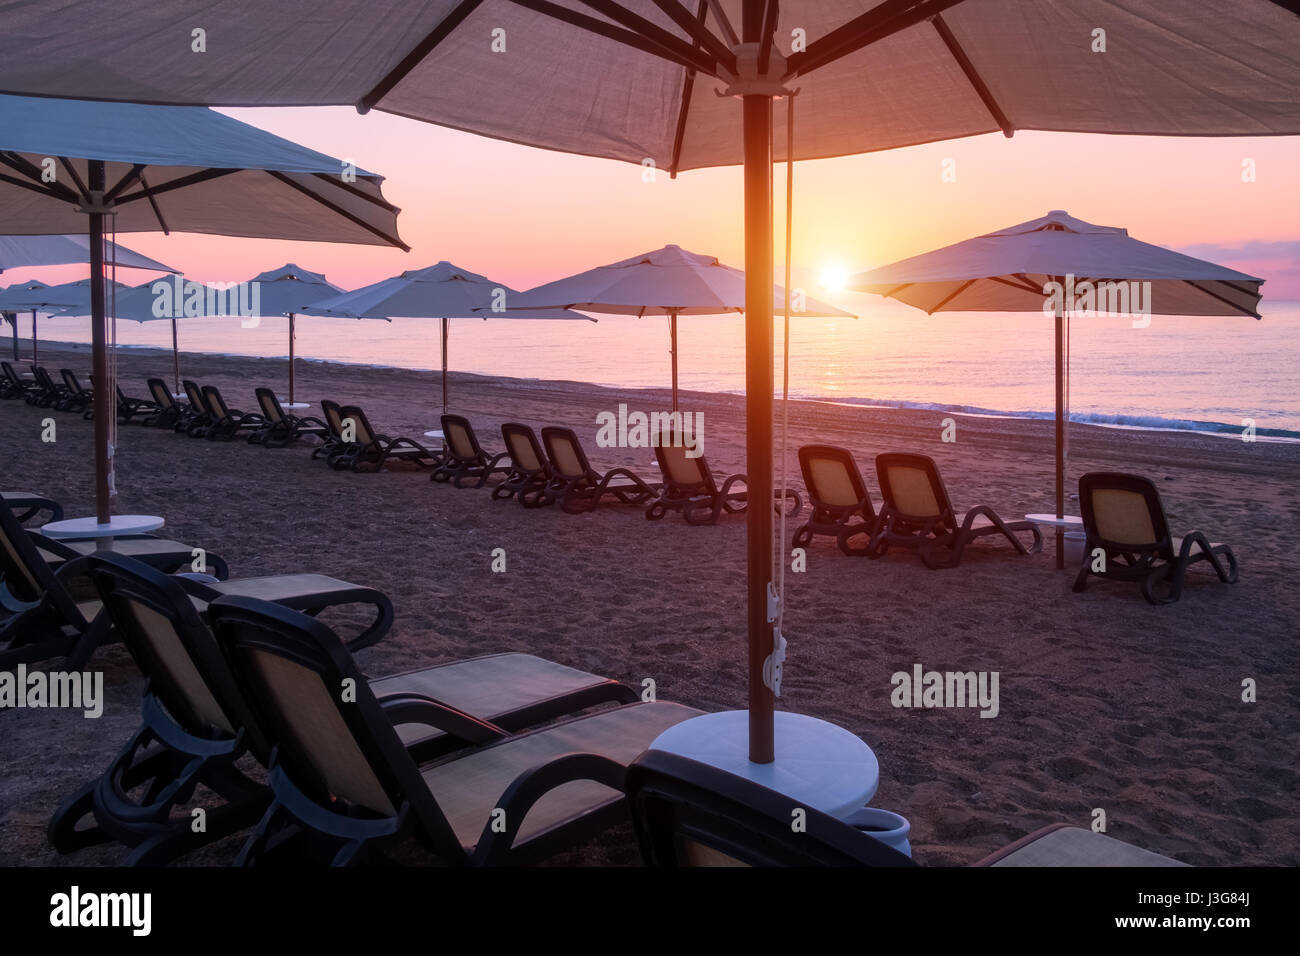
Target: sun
[{"x": 834, "y": 277}]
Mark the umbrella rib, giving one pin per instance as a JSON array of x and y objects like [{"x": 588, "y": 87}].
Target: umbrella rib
[
  {"x": 192, "y": 179},
  {"x": 655, "y": 34},
  {"x": 417, "y": 54},
  {"x": 15, "y": 162},
  {"x": 391, "y": 240},
  {"x": 688, "y": 89},
  {"x": 36, "y": 187},
  {"x": 876, "y": 24},
  {"x": 770, "y": 12},
  {"x": 334, "y": 180},
  {"x": 1023, "y": 286},
  {"x": 607, "y": 30},
  {"x": 721, "y": 16},
  {"x": 959, "y": 290},
  {"x": 972, "y": 76},
  {"x": 153, "y": 204},
  {"x": 72, "y": 172},
  {"x": 127, "y": 179},
  {"x": 694, "y": 26},
  {"x": 1226, "y": 301}
]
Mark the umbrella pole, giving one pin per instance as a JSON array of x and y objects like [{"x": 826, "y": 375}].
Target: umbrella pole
[
  {"x": 291, "y": 336},
  {"x": 758, "y": 394},
  {"x": 36, "y": 358},
  {"x": 1060, "y": 436},
  {"x": 445, "y": 328},
  {"x": 13, "y": 320},
  {"x": 176, "y": 361},
  {"x": 672, "y": 326},
  {"x": 103, "y": 462}
]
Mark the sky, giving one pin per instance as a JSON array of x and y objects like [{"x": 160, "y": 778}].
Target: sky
[{"x": 525, "y": 216}]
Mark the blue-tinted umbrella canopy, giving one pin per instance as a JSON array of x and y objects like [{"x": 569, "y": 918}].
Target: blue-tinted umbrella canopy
[
  {"x": 441, "y": 291},
  {"x": 1032, "y": 266},
  {"x": 670, "y": 281}
]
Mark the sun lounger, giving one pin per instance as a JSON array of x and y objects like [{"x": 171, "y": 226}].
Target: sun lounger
[
  {"x": 195, "y": 713},
  {"x": 690, "y": 487},
  {"x": 577, "y": 485},
  {"x": 465, "y": 460},
  {"x": 346, "y": 789},
  {"x": 129, "y": 408},
  {"x": 279, "y": 428},
  {"x": 46, "y": 392},
  {"x": 227, "y": 422},
  {"x": 369, "y": 449},
  {"x": 13, "y": 385},
  {"x": 687, "y": 813},
  {"x": 52, "y": 611},
  {"x": 195, "y": 419},
  {"x": 166, "y": 413},
  {"x": 917, "y": 513},
  {"x": 1124, "y": 519},
  {"x": 334, "y": 443},
  {"x": 841, "y": 505},
  {"x": 31, "y": 505},
  {"x": 529, "y": 476},
  {"x": 74, "y": 397}
]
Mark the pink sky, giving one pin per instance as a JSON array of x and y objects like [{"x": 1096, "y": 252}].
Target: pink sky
[{"x": 525, "y": 216}]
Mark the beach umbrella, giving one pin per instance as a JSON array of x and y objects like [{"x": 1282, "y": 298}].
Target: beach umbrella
[
  {"x": 443, "y": 291},
  {"x": 152, "y": 168},
  {"x": 1063, "y": 266},
  {"x": 11, "y": 315},
  {"x": 669, "y": 281},
  {"x": 287, "y": 291},
  {"x": 637, "y": 80},
  {"x": 19, "y": 251},
  {"x": 39, "y": 297}
]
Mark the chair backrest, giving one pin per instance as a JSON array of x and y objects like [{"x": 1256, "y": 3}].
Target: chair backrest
[
  {"x": 174, "y": 649},
  {"x": 681, "y": 470},
  {"x": 10, "y": 374},
  {"x": 333, "y": 418},
  {"x": 912, "y": 488},
  {"x": 832, "y": 477},
  {"x": 564, "y": 449},
  {"x": 310, "y": 702},
  {"x": 25, "y": 574},
  {"x": 70, "y": 380},
  {"x": 521, "y": 444},
  {"x": 362, "y": 433},
  {"x": 42, "y": 377},
  {"x": 1123, "y": 512},
  {"x": 216, "y": 405},
  {"x": 270, "y": 405},
  {"x": 687, "y": 813},
  {"x": 460, "y": 438},
  {"x": 195, "y": 395},
  {"x": 162, "y": 395}
]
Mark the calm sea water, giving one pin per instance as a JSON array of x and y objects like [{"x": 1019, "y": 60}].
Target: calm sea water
[{"x": 1193, "y": 373}]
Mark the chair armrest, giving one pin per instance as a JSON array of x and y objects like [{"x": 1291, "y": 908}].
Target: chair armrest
[{"x": 418, "y": 709}]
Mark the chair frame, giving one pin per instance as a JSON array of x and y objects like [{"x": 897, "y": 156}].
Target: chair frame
[
  {"x": 371, "y": 455},
  {"x": 703, "y": 501},
  {"x": 227, "y": 422},
  {"x": 279, "y": 428},
  {"x": 529, "y": 486},
  {"x": 465, "y": 465},
  {"x": 836, "y": 521},
  {"x": 583, "y": 491}
]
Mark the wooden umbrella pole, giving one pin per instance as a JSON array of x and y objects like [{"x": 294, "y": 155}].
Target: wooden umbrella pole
[
  {"x": 176, "y": 360},
  {"x": 757, "y": 111},
  {"x": 672, "y": 331},
  {"x": 103, "y": 461},
  {"x": 291, "y": 337},
  {"x": 446, "y": 325},
  {"x": 1060, "y": 435},
  {"x": 35, "y": 358}
]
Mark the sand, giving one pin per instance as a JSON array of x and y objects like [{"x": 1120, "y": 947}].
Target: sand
[{"x": 1105, "y": 702}]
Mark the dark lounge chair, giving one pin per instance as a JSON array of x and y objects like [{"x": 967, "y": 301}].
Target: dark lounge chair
[
  {"x": 917, "y": 513},
  {"x": 1125, "y": 520},
  {"x": 46, "y": 392},
  {"x": 841, "y": 505},
  {"x": 196, "y": 725},
  {"x": 195, "y": 419},
  {"x": 466, "y": 464},
  {"x": 687, "y": 813},
  {"x": 529, "y": 478},
  {"x": 227, "y": 422},
  {"x": 13, "y": 385},
  {"x": 129, "y": 408},
  {"x": 346, "y": 789},
  {"x": 369, "y": 449},
  {"x": 334, "y": 443},
  {"x": 31, "y": 505},
  {"x": 167, "y": 413},
  {"x": 577, "y": 485},
  {"x": 74, "y": 398},
  {"x": 280, "y": 428},
  {"x": 690, "y": 487}
]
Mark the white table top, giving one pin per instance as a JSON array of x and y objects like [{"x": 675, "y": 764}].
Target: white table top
[
  {"x": 179, "y": 396},
  {"x": 1068, "y": 521},
  {"x": 19, "y": 495},
  {"x": 284, "y": 404},
  {"x": 817, "y": 763},
  {"x": 90, "y": 528},
  {"x": 434, "y": 433}
]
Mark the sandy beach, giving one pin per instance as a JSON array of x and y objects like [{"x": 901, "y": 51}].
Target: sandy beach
[{"x": 1105, "y": 702}]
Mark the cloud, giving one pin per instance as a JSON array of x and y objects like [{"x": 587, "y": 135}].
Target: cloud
[{"x": 1276, "y": 261}]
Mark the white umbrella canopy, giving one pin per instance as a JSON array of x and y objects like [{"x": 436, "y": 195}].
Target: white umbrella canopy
[
  {"x": 1034, "y": 266},
  {"x": 442, "y": 291},
  {"x": 154, "y": 168},
  {"x": 287, "y": 291},
  {"x": 670, "y": 281},
  {"x": 636, "y": 80},
  {"x": 39, "y": 297},
  {"x": 18, "y": 251},
  {"x": 887, "y": 74}
]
